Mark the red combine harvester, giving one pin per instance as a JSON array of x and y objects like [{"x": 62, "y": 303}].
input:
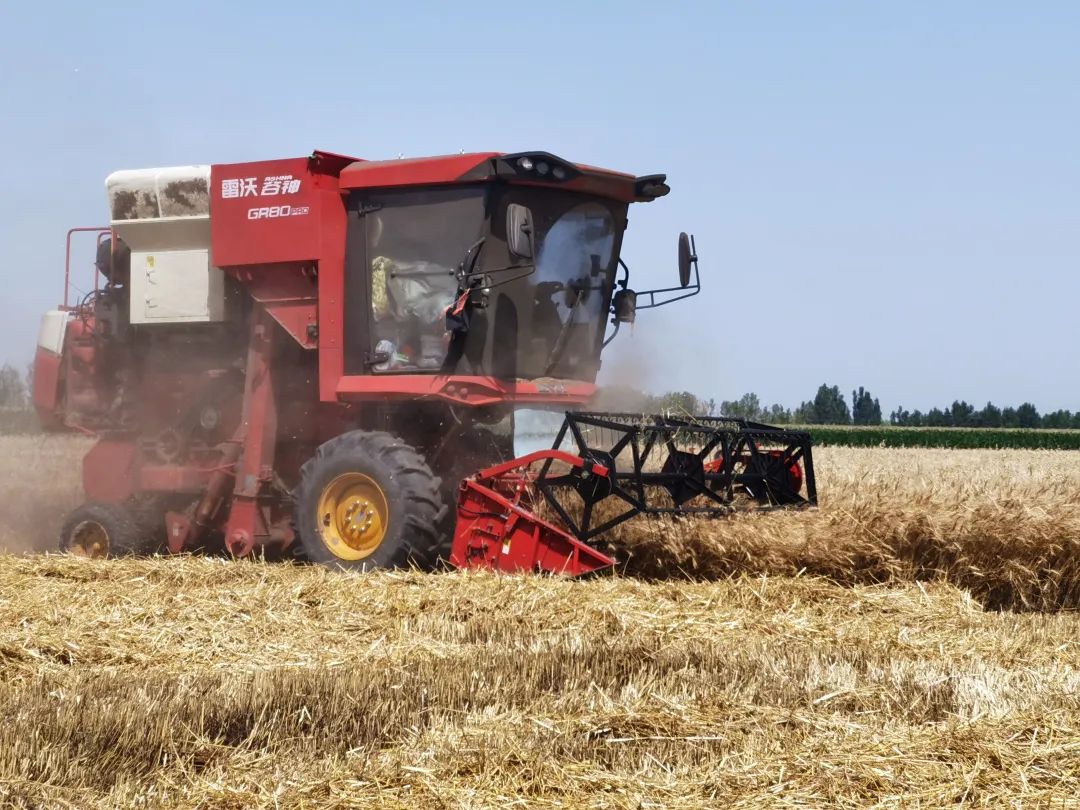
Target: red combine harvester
[{"x": 323, "y": 356}]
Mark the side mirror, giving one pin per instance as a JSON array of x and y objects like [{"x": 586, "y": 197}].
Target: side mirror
[
  {"x": 687, "y": 257},
  {"x": 624, "y": 304},
  {"x": 519, "y": 231}
]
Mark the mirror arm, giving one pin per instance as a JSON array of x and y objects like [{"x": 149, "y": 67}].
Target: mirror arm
[{"x": 687, "y": 292}]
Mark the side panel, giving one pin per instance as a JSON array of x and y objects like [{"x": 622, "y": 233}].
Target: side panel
[
  {"x": 175, "y": 286},
  {"x": 266, "y": 212}
]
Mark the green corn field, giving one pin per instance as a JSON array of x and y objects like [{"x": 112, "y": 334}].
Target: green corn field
[{"x": 959, "y": 438}]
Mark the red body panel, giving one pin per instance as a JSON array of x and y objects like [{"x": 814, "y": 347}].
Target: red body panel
[
  {"x": 287, "y": 212},
  {"x": 267, "y": 212},
  {"x": 412, "y": 172},
  {"x": 290, "y": 296},
  {"x": 331, "y": 295}
]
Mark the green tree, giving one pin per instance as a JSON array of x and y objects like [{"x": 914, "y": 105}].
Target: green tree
[
  {"x": 829, "y": 407},
  {"x": 804, "y": 414},
  {"x": 962, "y": 414},
  {"x": 1058, "y": 419},
  {"x": 748, "y": 406},
  {"x": 865, "y": 410},
  {"x": 1027, "y": 416},
  {"x": 777, "y": 414},
  {"x": 990, "y": 416}
]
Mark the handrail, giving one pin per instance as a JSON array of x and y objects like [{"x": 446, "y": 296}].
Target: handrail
[{"x": 101, "y": 234}]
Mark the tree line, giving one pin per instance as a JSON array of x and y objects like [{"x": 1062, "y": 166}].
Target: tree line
[
  {"x": 962, "y": 414},
  {"x": 15, "y": 387},
  {"x": 830, "y": 407}
]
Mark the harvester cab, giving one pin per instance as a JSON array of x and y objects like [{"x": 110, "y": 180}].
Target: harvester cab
[{"x": 323, "y": 356}]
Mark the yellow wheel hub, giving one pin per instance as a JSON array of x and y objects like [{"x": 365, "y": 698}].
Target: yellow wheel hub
[
  {"x": 89, "y": 539},
  {"x": 353, "y": 516}
]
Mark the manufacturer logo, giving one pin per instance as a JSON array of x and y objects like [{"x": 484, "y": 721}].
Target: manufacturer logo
[{"x": 252, "y": 187}]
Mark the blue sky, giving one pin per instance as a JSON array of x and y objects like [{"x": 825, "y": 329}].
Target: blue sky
[{"x": 883, "y": 195}]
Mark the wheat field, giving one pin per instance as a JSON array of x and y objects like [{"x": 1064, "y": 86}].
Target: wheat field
[
  {"x": 1003, "y": 524},
  {"x": 844, "y": 657}
]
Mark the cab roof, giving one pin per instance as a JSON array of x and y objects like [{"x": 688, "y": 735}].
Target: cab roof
[{"x": 524, "y": 168}]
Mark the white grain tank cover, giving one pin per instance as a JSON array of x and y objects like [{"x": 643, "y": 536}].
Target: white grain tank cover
[{"x": 164, "y": 216}]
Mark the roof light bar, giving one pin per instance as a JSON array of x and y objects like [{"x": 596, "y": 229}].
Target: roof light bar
[{"x": 541, "y": 166}]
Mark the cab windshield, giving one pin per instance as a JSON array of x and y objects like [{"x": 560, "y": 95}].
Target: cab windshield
[
  {"x": 570, "y": 288},
  {"x": 544, "y": 316}
]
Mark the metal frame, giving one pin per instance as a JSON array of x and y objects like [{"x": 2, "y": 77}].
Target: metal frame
[{"x": 704, "y": 464}]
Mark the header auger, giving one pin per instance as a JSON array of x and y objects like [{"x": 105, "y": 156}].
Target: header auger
[{"x": 323, "y": 356}]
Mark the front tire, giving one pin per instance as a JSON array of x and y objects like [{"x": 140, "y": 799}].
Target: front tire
[{"x": 368, "y": 500}]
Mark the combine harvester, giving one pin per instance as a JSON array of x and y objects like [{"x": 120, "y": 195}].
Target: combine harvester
[{"x": 308, "y": 355}]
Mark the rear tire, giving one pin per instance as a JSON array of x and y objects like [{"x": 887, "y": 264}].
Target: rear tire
[
  {"x": 368, "y": 500},
  {"x": 99, "y": 530}
]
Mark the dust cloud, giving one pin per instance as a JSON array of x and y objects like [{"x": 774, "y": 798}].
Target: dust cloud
[
  {"x": 629, "y": 369},
  {"x": 40, "y": 482},
  {"x": 624, "y": 377}
]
